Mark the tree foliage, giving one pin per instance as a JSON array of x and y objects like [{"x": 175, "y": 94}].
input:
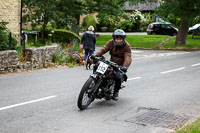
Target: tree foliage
[
  {"x": 40, "y": 11},
  {"x": 3, "y": 36},
  {"x": 61, "y": 13},
  {"x": 109, "y": 7},
  {"x": 66, "y": 13},
  {"x": 186, "y": 10}
]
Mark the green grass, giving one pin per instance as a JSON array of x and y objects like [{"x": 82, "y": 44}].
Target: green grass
[
  {"x": 145, "y": 41},
  {"x": 150, "y": 41},
  {"x": 103, "y": 39},
  {"x": 137, "y": 41},
  {"x": 191, "y": 128},
  {"x": 191, "y": 44}
]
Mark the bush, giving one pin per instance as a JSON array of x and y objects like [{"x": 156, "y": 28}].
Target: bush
[
  {"x": 19, "y": 50},
  {"x": 132, "y": 21},
  {"x": 173, "y": 19},
  {"x": 69, "y": 55},
  {"x": 136, "y": 18},
  {"x": 63, "y": 36},
  {"x": 148, "y": 18},
  {"x": 108, "y": 21},
  {"x": 195, "y": 21},
  {"x": 4, "y": 37},
  {"x": 89, "y": 20},
  {"x": 125, "y": 25}
]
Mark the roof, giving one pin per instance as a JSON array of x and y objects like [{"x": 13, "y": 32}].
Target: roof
[{"x": 141, "y": 6}]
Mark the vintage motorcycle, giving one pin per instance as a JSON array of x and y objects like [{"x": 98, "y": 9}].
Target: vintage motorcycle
[{"x": 101, "y": 83}]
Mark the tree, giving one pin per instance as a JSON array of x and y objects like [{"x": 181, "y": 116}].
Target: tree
[
  {"x": 64, "y": 13},
  {"x": 40, "y": 11},
  {"x": 186, "y": 10},
  {"x": 109, "y": 7},
  {"x": 69, "y": 11}
]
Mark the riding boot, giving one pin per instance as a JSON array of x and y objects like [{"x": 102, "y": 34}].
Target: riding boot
[
  {"x": 115, "y": 96},
  {"x": 116, "y": 91},
  {"x": 118, "y": 80}
]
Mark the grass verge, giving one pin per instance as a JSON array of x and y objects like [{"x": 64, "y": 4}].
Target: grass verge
[
  {"x": 136, "y": 41},
  {"x": 151, "y": 41},
  {"x": 192, "y": 44},
  {"x": 191, "y": 128}
]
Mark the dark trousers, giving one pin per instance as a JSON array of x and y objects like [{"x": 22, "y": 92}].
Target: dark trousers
[
  {"x": 87, "y": 51},
  {"x": 118, "y": 81}
]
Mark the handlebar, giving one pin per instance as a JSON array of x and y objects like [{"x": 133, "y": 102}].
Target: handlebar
[{"x": 113, "y": 64}]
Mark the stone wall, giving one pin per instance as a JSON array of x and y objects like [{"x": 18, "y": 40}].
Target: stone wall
[
  {"x": 8, "y": 61},
  {"x": 35, "y": 58},
  {"x": 10, "y": 12},
  {"x": 41, "y": 57}
]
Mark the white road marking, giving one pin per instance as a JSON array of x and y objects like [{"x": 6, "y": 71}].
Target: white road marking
[
  {"x": 135, "y": 51},
  {"x": 196, "y": 64},
  {"x": 28, "y": 102},
  {"x": 172, "y": 70},
  {"x": 143, "y": 56},
  {"x": 134, "y": 78}
]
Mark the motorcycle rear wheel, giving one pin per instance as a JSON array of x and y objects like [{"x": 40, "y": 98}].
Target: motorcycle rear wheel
[{"x": 85, "y": 97}]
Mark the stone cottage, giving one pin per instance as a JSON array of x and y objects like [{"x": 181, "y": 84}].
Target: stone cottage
[{"x": 10, "y": 11}]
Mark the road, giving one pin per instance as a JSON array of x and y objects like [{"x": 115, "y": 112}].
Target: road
[{"x": 45, "y": 101}]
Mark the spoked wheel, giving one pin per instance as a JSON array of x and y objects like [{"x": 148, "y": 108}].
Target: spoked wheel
[{"x": 85, "y": 96}]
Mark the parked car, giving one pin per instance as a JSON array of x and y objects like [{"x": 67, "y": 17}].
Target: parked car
[
  {"x": 161, "y": 29},
  {"x": 196, "y": 27}
]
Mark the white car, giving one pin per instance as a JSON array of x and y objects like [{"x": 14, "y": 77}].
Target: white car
[{"x": 195, "y": 27}]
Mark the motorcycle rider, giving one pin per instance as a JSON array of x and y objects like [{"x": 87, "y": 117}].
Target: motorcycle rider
[{"x": 120, "y": 52}]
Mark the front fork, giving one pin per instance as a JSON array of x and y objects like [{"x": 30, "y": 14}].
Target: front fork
[{"x": 98, "y": 80}]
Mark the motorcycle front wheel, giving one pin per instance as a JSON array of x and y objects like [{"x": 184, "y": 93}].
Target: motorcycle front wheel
[{"x": 85, "y": 96}]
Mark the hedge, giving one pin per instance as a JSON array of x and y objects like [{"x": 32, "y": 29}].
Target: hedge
[
  {"x": 89, "y": 20},
  {"x": 63, "y": 36}
]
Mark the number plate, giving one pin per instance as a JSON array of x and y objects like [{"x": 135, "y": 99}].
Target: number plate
[{"x": 102, "y": 68}]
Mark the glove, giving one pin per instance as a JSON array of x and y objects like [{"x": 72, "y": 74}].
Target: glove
[
  {"x": 123, "y": 68},
  {"x": 93, "y": 56}
]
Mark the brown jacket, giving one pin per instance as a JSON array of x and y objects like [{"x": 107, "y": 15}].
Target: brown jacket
[{"x": 121, "y": 56}]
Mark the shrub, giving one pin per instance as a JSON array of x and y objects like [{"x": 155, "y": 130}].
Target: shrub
[
  {"x": 136, "y": 18},
  {"x": 63, "y": 36},
  {"x": 39, "y": 43},
  {"x": 19, "y": 50},
  {"x": 148, "y": 18},
  {"x": 173, "y": 19},
  {"x": 69, "y": 55},
  {"x": 195, "y": 21},
  {"x": 89, "y": 20},
  {"x": 108, "y": 21},
  {"x": 4, "y": 37},
  {"x": 125, "y": 25}
]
